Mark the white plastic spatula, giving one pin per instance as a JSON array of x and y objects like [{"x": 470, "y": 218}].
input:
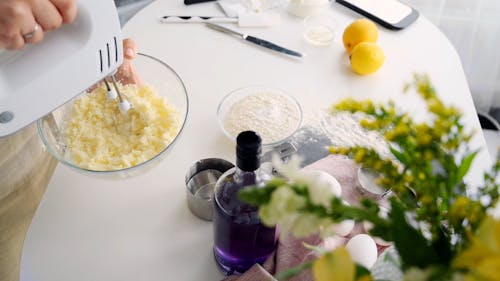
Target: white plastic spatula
[{"x": 43, "y": 76}]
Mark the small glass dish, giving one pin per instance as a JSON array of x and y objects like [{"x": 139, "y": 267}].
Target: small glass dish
[
  {"x": 154, "y": 73},
  {"x": 367, "y": 184},
  {"x": 272, "y": 113},
  {"x": 320, "y": 29}
]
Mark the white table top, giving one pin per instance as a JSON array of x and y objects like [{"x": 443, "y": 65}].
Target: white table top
[{"x": 140, "y": 228}]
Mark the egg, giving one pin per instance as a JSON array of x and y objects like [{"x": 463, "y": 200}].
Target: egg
[
  {"x": 342, "y": 228},
  {"x": 363, "y": 250},
  {"x": 322, "y": 177}
]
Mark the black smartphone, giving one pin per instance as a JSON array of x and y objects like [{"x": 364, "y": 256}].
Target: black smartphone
[
  {"x": 190, "y": 2},
  {"x": 390, "y": 14}
]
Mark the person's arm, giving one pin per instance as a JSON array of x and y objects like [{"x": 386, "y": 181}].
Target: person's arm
[{"x": 25, "y": 21}]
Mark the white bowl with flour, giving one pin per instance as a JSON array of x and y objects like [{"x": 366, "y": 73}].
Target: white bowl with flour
[{"x": 272, "y": 113}]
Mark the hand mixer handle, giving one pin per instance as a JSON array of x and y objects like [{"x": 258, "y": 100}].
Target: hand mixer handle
[{"x": 40, "y": 78}]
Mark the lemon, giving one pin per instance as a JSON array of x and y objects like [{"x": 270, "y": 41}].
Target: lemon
[
  {"x": 366, "y": 58},
  {"x": 361, "y": 30}
]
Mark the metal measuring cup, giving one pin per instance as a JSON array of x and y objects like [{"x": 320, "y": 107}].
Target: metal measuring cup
[{"x": 200, "y": 183}]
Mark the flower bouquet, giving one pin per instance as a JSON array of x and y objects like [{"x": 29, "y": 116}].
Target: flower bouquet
[{"x": 439, "y": 227}]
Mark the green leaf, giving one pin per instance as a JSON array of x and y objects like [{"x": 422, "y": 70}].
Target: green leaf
[
  {"x": 400, "y": 156},
  {"x": 314, "y": 248},
  {"x": 382, "y": 231},
  {"x": 276, "y": 182},
  {"x": 361, "y": 271},
  {"x": 443, "y": 247},
  {"x": 260, "y": 195},
  {"x": 255, "y": 195},
  {"x": 291, "y": 272},
  {"x": 465, "y": 166},
  {"x": 413, "y": 248}
]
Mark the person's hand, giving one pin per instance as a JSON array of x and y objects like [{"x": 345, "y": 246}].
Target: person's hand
[
  {"x": 126, "y": 74},
  {"x": 25, "y": 21}
]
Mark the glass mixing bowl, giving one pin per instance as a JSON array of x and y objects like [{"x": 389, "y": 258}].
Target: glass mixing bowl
[
  {"x": 275, "y": 119},
  {"x": 153, "y": 72}
]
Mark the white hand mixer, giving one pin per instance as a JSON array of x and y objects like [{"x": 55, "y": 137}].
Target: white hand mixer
[{"x": 42, "y": 77}]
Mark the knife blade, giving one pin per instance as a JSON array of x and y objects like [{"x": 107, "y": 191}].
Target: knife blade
[{"x": 254, "y": 40}]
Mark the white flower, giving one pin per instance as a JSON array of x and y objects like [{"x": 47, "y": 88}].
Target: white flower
[
  {"x": 284, "y": 207},
  {"x": 321, "y": 185},
  {"x": 495, "y": 211},
  {"x": 284, "y": 201},
  {"x": 299, "y": 224},
  {"x": 304, "y": 225},
  {"x": 268, "y": 215},
  {"x": 291, "y": 169},
  {"x": 286, "y": 224}
]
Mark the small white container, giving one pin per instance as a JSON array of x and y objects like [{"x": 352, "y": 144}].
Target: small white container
[{"x": 305, "y": 8}]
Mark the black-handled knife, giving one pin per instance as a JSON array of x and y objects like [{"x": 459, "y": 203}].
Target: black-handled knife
[
  {"x": 189, "y": 2},
  {"x": 255, "y": 40},
  {"x": 197, "y": 19}
]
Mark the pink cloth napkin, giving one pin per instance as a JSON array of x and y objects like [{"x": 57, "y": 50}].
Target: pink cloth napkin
[{"x": 291, "y": 252}]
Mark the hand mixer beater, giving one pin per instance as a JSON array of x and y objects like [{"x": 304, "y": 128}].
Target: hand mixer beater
[{"x": 113, "y": 93}]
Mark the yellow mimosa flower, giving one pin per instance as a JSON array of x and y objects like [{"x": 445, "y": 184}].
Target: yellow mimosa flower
[
  {"x": 482, "y": 258},
  {"x": 334, "y": 266}
]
